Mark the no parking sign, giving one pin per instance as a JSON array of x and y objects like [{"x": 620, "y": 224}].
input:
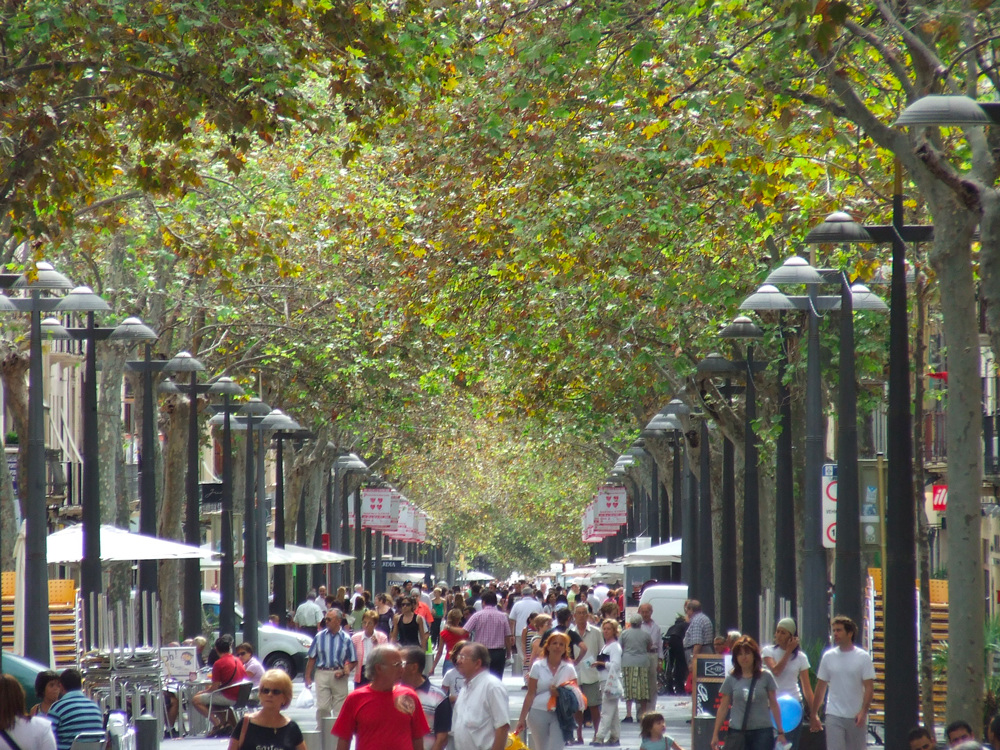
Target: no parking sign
[{"x": 830, "y": 505}]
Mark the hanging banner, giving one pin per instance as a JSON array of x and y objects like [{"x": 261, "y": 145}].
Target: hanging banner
[
  {"x": 612, "y": 506},
  {"x": 420, "y": 533},
  {"x": 406, "y": 528},
  {"x": 376, "y": 508}
]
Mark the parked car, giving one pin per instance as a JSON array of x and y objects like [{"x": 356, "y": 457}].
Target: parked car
[
  {"x": 667, "y": 600},
  {"x": 277, "y": 648},
  {"x": 24, "y": 671}
]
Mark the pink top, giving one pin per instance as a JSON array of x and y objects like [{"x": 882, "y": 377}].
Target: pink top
[{"x": 361, "y": 643}]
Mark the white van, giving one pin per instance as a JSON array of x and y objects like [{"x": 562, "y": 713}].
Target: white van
[
  {"x": 667, "y": 600},
  {"x": 277, "y": 648}
]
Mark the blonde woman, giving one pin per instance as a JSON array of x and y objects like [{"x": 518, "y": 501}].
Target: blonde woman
[{"x": 268, "y": 727}]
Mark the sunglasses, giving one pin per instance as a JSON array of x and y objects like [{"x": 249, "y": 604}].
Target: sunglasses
[{"x": 271, "y": 691}]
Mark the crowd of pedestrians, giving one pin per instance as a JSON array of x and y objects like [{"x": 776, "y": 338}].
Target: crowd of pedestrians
[{"x": 63, "y": 713}]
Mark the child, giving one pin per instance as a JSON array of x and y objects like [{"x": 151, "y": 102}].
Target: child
[{"x": 653, "y": 731}]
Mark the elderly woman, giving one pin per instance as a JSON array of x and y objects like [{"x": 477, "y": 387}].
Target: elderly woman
[
  {"x": 365, "y": 640},
  {"x": 636, "y": 645},
  {"x": 268, "y": 727}
]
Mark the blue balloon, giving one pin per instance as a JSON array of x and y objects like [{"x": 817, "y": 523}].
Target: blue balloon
[{"x": 791, "y": 712}]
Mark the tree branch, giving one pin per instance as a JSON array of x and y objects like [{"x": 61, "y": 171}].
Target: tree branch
[{"x": 898, "y": 69}]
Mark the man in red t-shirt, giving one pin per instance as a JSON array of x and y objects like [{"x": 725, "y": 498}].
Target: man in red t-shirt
[
  {"x": 227, "y": 670},
  {"x": 382, "y": 714}
]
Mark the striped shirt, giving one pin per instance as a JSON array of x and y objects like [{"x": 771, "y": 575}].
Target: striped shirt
[
  {"x": 72, "y": 714},
  {"x": 490, "y": 627},
  {"x": 437, "y": 711},
  {"x": 332, "y": 650}
]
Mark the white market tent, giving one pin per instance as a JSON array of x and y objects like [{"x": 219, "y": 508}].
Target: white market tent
[
  {"x": 117, "y": 545},
  {"x": 290, "y": 554},
  {"x": 661, "y": 554}
]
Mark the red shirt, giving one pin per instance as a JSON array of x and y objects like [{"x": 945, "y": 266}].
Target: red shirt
[
  {"x": 450, "y": 639},
  {"x": 227, "y": 670},
  {"x": 382, "y": 720}
]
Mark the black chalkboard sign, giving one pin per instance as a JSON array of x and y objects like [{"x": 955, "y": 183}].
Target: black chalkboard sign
[{"x": 709, "y": 674}]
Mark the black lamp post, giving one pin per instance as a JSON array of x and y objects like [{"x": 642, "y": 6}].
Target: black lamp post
[
  {"x": 46, "y": 279},
  {"x": 745, "y": 328},
  {"x": 768, "y": 298},
  {"x": 796, "y": 270},
  {"x": 147, "y": 366},
  {"x": 250, "y": 415},
  {"x": 83, "y": 300},
  {"x": 344, "y": 466},
  {"x": 281, "y": 426},
  {"x": 717, "y": 365},
  {"x": 280, "y": 585},
  {"x": 688, "y": 527},
  {"x": 226, "y": 388},
  {"x": 183, "y": 362}
]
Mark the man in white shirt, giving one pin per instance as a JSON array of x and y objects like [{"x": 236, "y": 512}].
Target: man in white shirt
[
  {"x": 656, "y": 651},
  {"x": 481, "y": 719},
  {"x": 308, "y": 615},
  {"x": 519, "y": 620},
  {"x": 850, "y": 675},
  {"x": 359, "y": 593},
  {"x": 589, "y": 677},
  {"x": 321, "y": 599}
]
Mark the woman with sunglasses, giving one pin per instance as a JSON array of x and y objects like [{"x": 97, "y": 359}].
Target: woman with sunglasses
[
  {"x": 409, "y": 628},
  {"x": 268, "y": 727}
]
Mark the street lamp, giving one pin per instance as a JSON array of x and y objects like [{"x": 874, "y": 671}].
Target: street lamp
[
  {"x": 250, "y": 415},
  {"x": 676, "y": 410},
  {"x": 281, "y": 425},
  {"x": 744, "y": 328},
  {"x": 798, "y": 271},
  {"x": 344, "y": 466},
  {"x": 717, "y": 365},
  {"x": 183, "y": 362},
  {"x": 44, "y": 278},
  {"x": 83, "y": 300},
  {"x": 148, "y": 569},
  {"x": 227, "y": 388}
]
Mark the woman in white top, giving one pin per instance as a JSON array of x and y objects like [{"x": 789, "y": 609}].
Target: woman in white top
[
  {"x": 33, "y": 733},
  {"x": 610, "y": 671},
  {"x": 790, "y": 667},
  {"x": 544, "y": 679}
]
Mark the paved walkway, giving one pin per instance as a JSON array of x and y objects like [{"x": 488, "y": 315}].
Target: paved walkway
[{"x": 675, "y": 709}]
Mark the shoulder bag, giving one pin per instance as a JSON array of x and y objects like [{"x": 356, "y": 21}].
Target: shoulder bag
[
  {"x": 9, "y": 740},
  {"x": 243, "y": 732},
  {"x": 737, "y": 740}
]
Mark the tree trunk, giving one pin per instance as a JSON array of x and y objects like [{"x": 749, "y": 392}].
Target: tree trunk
[
  {"x": 8, "y": 528},
  {"x": 952, "y": 261},
  {"x": 114, "y": 503},
  {"x": 923, "y": 545},
  {"x": 171, "y": 504},
  {"x": 14, "y": 372}
]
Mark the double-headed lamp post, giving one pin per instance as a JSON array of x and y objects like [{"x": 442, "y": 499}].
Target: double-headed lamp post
[
  {"x": 183, "y": 362},
  {"x": 797, "y": 271},
  {"x": 42, "y": 279},
  {"x": 228, "y": 389},
  {"x": 83, "y": 300},
  {"x": 744, "y": 328},
  {"x": 715, "y": 365},
  {"x": 276, "y": 422}
]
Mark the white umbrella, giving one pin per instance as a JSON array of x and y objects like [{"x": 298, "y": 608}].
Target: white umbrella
[
  {"x": 476, "y": 575},
  {"x": 290, "y": 554},
  {"x": 118, "y": 545},
  {"x": 661, "y": 554}
]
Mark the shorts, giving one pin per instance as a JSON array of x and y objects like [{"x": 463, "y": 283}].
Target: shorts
[
  {"x": 218, "y": 700},
  {"x": 592, "y": 692}
]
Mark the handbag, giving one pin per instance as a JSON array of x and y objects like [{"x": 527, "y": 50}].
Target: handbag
[
  {"x": 738, "y": 740},
  {"x": 243, "y": 732}
]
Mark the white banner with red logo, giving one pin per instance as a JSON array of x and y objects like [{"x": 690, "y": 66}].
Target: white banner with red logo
[
  {"x": 612, "y": 506},
  {"x": 376, "y": 508}
]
